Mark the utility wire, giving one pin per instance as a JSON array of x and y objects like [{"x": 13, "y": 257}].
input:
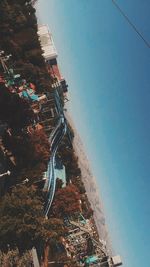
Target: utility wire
[{"x": 131, "y": 24}]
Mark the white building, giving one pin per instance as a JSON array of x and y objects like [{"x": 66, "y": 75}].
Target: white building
[
  {"x": 47, "y": 43},
  {"x": 116, "y": 261}
]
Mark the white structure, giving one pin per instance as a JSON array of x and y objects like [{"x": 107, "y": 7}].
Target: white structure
[
  {"x": 5, "y": 173},
  {"x": 47, "y": 42},
  {"x": 116, "y": 260},
  {"x": 35, "y": 258}
]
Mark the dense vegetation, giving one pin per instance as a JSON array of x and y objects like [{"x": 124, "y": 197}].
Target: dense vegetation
[
  {"x": 22, "y": 222},
  {"x": 66, "y": 202},
  {"x": 13, "y": 258},
  {"x": 14, "y": 111},
  {"x": 18, "y": 37},
  {"x": 70, "y": 161},
  {"x": 31, "y": 153}
]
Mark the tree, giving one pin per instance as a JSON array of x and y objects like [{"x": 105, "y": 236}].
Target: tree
[
  {"x": 31, "y": 153},
  {"x": 14, "y": 111},
  {"x": 22, "y": 223},
  {"x": 13, "y": 258},
  {"x": 40, "y": 146},
  {"x": 70, "y": 160},
  {"x": 86, "y": 207},
  {"x": 37, "y": 156},
  {"x": 65, "y": 261},
  {"x": 18, "y": 34},
  {"x": 66, "y": 201},
  {"x": 59, "y": 183},
  {"x": 29, "y": 150},
  {"x": 90, "y": 247},
  {"x": 79, "y": 184}
]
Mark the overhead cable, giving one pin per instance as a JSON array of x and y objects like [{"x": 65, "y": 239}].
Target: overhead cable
[{"x": 131, "y": 24}]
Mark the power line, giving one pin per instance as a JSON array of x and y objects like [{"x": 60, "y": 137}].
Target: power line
[{"x": 131, "y": 24}]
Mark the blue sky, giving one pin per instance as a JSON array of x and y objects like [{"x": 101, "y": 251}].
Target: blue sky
[{"x": 107, "y": 68}]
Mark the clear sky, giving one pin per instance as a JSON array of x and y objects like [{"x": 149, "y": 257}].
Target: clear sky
[{"x": 107, "y": 67}]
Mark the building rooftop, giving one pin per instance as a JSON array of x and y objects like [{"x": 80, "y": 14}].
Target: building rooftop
[{"x": 47, "y": 42}]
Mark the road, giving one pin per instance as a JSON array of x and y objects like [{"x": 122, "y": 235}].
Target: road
[
  {"x": 55, "y": 140},
  {"x": 59, "y": 136}
]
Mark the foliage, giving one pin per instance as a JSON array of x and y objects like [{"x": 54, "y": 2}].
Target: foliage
[
  {"x": 31, "y": 153},
  {"x": 14, "y": 111},
  {"x": 33, "y": 173},
  {"x": 18, "y": 34},
  {"x": 90, "y": 247},
  {"x": 40, "y": 145},
  {"x": 13, "y": 258},
  {"x": 59, "y": 183},
  {"x": 79, "y": 184},
  {"x": 22, "y": 223},
  {"x": 68, "y": 262},
  {"x": 86, "y": 207},
  {"x": 66, "y": 201},
  {"x": 70, "y": 161}
]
